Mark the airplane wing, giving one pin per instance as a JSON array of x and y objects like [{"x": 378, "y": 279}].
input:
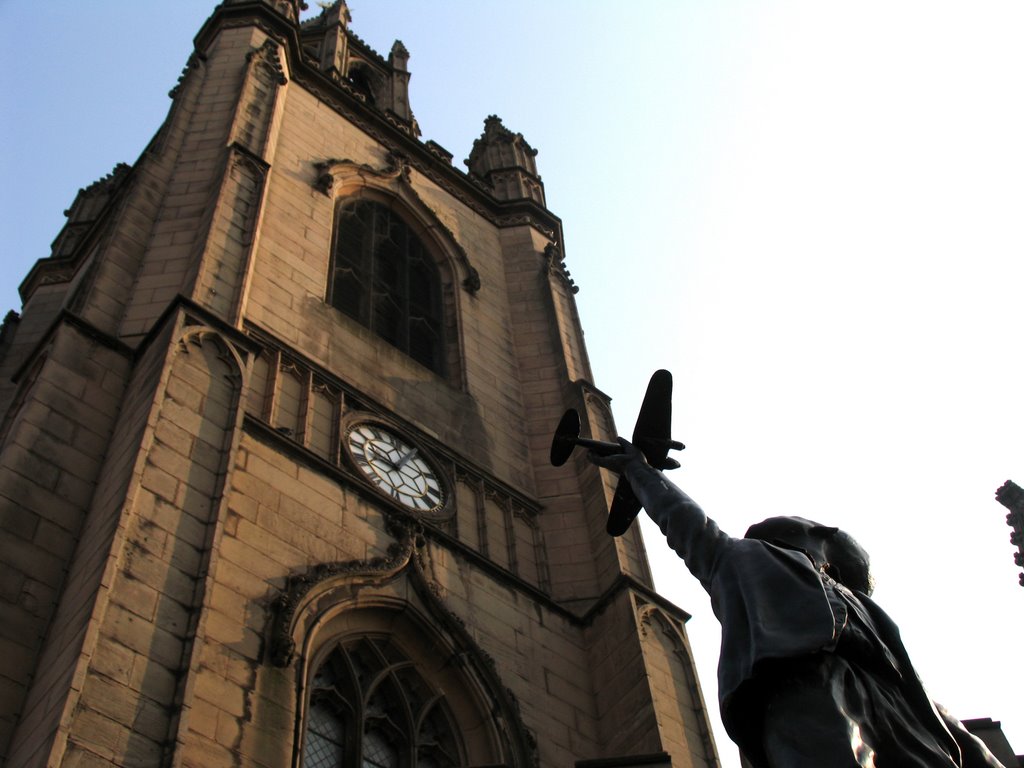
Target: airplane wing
[
  {"x": 625, "y": 508},
  {"x": 653, "y": 431}
]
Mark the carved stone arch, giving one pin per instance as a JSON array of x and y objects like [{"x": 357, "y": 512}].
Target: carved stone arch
[
  {"x": 200, "y": 334},
  {"x": 651, "y": 617},
  {"x": 390, "y": 597},
  {"x": 676, "y": 680},
  {"x": 346, "y": 179},
  {"x": 600, "y": 416},
  {"x": 302, "y": 605}
]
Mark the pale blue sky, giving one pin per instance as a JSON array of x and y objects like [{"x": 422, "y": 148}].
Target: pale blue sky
[{"x": 808, "y": 211}]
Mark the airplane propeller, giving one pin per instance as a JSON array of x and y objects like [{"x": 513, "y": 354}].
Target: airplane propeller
[{"x": 567, "y": 437}]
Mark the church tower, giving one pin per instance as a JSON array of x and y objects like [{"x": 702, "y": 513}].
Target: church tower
[{"x": 275, "y": 426}]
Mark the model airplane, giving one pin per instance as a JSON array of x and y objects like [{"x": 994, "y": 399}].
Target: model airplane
[{"x": 652, "y": 436}]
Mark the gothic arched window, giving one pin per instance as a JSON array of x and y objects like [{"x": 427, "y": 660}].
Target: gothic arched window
[
  {"x": 369, "y": 707},
  {"x": 385, "y": 278}
]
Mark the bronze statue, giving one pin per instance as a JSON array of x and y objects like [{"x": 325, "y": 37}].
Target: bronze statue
[{"x": 812, "y": 672}]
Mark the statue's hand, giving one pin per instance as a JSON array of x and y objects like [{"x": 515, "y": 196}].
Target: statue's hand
[{"x": 619, "y": 462}]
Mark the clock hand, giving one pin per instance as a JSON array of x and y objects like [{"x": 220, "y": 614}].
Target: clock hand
[
  {"x": 381, "y": 454},
  {"x": 405, "y": 459}
]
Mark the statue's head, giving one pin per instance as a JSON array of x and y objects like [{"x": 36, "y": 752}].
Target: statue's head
[{"x": 830, "y": 548}]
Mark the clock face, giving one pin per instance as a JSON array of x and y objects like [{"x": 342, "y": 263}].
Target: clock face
[{"x": 396, "y": 467}]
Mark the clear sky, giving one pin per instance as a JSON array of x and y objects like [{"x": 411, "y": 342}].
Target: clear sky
[{"x": 810, "y": 212}]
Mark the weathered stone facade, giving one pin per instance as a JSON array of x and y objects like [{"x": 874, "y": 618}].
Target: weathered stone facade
[{"x": 186, "y": 538}]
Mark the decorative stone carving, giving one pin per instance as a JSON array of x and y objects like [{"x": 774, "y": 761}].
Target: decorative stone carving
[
  {"x": 398, "y": 63},
  {"x": 194, "y": 60},
  {"x": 471, "y": 190},
  {"x": 329, "y": 170},
  {"x": 438, "y": 151},
  {"x": 507, "y": 713},
  {"x": 555, "y": 265},
  {"x": 504, "y": 161},
  {"x": 89, "y": 205},
  {"x": 499, "y": 148},
  {"x": 668, "y": 632},
  {"x": 408, "y": 555},
  {"x": 56, "y": 276},
  {"x": 95, "y": 196},
  {"x": 334, "y": 48},
  {"x": 197, "y": 334},
  {"x": 267, "y": 56},
  {"x": 299, "y": 586},
  {"x": 398, "y": 170},
  {"x": 599, "y": 411},
  {"x": 472, "y": 281},
  {"x": 356, "y": 68},
  {"x": 521, "y": 219}
]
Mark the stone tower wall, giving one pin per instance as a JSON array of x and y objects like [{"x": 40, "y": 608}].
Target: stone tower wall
[{"x": 191, "y": 538}]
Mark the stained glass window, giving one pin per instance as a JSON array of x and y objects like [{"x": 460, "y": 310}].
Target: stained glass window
[
  {"x": 369, "y": 707},
  {"x": 384, "y": 277}
]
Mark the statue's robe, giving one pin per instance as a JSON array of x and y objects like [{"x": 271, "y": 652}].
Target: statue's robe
[{"x": 788, "y": 627}]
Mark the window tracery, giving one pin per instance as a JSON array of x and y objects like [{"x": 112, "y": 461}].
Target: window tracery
[
  {"x": 384, "y": 277},
  {"x": 370, "y": 706}
]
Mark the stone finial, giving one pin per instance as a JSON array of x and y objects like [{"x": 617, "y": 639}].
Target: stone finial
[
  {"x": 505, "y": 162},
  {"x": 398, "y": 64},
  {"x": 334, "y": 49},
  {"x": 399, "y": 56},
  {"x": 499, "y": 148},
  {"x": 338, "y": 12}
]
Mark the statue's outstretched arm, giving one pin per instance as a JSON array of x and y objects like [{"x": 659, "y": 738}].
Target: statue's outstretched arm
[{"x": 695, "y": 537}]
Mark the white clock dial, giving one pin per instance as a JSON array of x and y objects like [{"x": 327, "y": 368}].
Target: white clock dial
[{"x": 395, "y": 467}]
